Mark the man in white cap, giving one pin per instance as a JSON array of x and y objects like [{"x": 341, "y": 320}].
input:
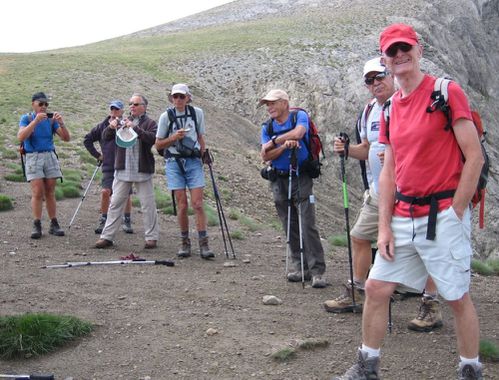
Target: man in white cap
[
  {"x": 181, "y": 137},
  {"x": 284, "y": 145},
  {"x": 106, "y": 157},
  {"x": 134, "y": 165}
]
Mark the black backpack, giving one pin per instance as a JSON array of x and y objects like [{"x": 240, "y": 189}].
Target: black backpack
[
  {"x": 363, "y": 116},
  {"x": 172, "y": 117}
]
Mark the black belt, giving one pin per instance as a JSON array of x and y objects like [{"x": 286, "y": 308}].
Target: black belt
[
  {"x": 431, "y": 200},
  {"x": 42, "y": 151}
]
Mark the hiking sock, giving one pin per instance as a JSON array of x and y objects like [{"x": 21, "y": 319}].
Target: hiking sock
[
  {"x": 371, "y": 352},
  {"x": 202, "y": 234},
  {"x": 465, "y": 361},
  {"x": 103, "y": 216},
  {"x": 126, "y": 216},
  {"x": 184, "y": 234}
]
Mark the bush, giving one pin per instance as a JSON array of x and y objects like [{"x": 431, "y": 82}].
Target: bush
[
  {"x": 338, "y": 240},
  {"x": 481, "y": 268},
  {"x": 489, "y": 351},
  {"x": 5, "y": 203},
  {"x": 15, "y": 177},
  {"x": 36, "y": 334}
]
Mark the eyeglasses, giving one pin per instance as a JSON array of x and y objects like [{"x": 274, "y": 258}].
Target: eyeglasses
[
  {"x": 179, "y": 96},
  {"x": 392, "y": 50},
  {"x": 380, "y": 76},
  {"x": 41, "y": 104},
  {"x": 135, "y": 104}
]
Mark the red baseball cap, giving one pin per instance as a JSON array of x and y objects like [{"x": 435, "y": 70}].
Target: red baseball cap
[{"x": 397, "y": 33}]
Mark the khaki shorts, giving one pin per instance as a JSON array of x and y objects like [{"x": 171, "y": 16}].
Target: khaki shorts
[
  {"x": 366, "y": 224},
  {"x": 446, "y": 259},
  {"x": 42, "y": 165}
]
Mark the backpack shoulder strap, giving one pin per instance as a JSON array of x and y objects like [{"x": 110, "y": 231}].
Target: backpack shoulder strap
[
  {"x": 387, "y": 108},
  {"x": 192, "y": 114},
  {"x": 440, "y": 100},
  {"x": 171, "y": 118}
]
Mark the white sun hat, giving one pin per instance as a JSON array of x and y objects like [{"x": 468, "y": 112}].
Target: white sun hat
[{"x": 126, "y": 137}]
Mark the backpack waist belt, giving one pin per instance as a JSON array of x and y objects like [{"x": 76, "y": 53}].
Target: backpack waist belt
[
  {"x": 431, "y": 200},
  {"x": 41, "y": 151}
]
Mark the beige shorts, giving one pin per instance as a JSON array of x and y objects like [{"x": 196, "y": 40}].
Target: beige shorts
[
  {"x": 366, "y": 224},
  {"x": 446, "y": 259},
  {"x": 42, "y": 165}
]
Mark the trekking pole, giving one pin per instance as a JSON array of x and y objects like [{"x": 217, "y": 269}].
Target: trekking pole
[
  {"x": 27, "y": 377},
  {"x": 74, "y": 264},
  {"x": 294, "y": 162},
  {"x": 344, "y": 156},
  {"x": 288, "y": 226},
  {"x": 99, "y": 163},
  {"x": 224, "y": 228}
]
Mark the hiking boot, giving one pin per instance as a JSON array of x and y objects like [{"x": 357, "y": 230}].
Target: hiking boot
[
  {"x": 185, "y": 249},
  {"x": 150, "y": 244},
  {"x": 100, "y": 227},
  {"x": 470, "y": 372},
  {"x": 344, "y": 303},
  {"x": 127, "y": 225},
  {"x": 55, "y": 229},
  {"x": 365, "y": 369},
  {"x": 103, "y": 243},
  {"x": 429, "y": 317},
  {"x": 204, "y": 250},
  {"x": 296, "y": 276},
  {"x": 318, "y": 281},
  {"x": 36, "y": 233}
]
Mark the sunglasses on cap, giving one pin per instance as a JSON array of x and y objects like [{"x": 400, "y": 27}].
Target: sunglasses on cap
[
  {"x": 178, "y": 96},
  {"x": 392, "y": 50},
  {"x": 380, "y": 76}
]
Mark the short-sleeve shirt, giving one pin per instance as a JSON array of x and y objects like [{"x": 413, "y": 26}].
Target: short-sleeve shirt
[
  {"x": 42, "y": 138},
  {"x": 370, "y": 131},
  {"x": 182, "y": 121},
  {"x": 427, "y": 157},
  {"x": 282, "y": 162}
]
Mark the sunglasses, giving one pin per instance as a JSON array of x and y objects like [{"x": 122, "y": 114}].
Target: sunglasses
[
  {"x": 41, "y": 104},
  {"x": 370, "y": 80},
  {"x": 135, "y": 104},
  {"x": 392, "y": 50},
  {"x": 178, "y": 96}
]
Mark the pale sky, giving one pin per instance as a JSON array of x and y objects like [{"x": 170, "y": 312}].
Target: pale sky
[{"x": 35, "y": 25}]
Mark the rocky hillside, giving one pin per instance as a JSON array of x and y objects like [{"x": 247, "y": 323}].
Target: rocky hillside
[{"x": 233, "y": 54}]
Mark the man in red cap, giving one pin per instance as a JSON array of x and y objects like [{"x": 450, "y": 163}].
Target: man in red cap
[{"x": 423, "y": 166}]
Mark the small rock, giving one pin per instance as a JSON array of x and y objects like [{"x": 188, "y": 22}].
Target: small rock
[
  {"x": 246, "y": 261},
  {"x": 230, "y": 264},
  {"x": 211, "y": 331},
  {"x": 12, "y": 253},
  {"x": 271, "y": 300}
]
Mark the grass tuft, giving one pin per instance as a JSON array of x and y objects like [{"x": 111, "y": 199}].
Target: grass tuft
[
  {"x": 494, "y": 264},
  {"x": 34, "y": 334},
  {"x": 489, "y": 351},
  {"x": 338, "y": 240},
  {"x": 5, "y": 203},
  {"x": 15, "y": 177},
  {"x": 284, "y": 354},
  {"x": 481, "y": 268},
  {"x": 313, "y": 344}
]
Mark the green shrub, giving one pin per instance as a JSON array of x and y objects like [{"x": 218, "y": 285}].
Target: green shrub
[
  {"x": 481, "y": 268},
  {"x": 338, "y": 240},
  {"x": 15, "y": 177},
  {"x": 5, "y": 203},
  {"x": 59, "y": 193},
  {"x": 211, "y": 215},
  {"x": 489, "y": 351},
  {"x": 494, "y": 264},
  {"x": 284, "y": 354},
  {"x": 163, "y": 200},
  {"x": 237, "y": 235},
  {"x": 36, "y": 334}
]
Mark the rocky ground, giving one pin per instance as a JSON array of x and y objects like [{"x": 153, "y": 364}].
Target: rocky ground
[{"x": 199, "y": 319}]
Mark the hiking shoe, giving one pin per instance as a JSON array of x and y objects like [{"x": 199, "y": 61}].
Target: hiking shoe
[
  {"x": 150, "y": 244},
  {"x": 185, "y": 249},
  {"x": 429, "y": 317},
  {"x": 55, "y": 229},
  {"x": 127, "y": 225},
  {"x": 100, "y": 227},
  {"x": 365, "y": 369},
  {"x": 318, "y": 281},
  {"x": 470, "y": 372},
  {"x": 296, "y": 276},
  {"x": 344, "y": 303},
  {"x": 103, "y": 243},
  {"x": 204, "y": 250},
  {"x": 36, "y": 233}
]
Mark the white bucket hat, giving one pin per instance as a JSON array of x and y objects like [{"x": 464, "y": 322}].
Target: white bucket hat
[{"x": 126, "y": 137}]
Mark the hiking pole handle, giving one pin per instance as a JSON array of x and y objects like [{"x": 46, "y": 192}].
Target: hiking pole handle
[
  {"x": 168, "y": 263},
  {"x": 346, "y": 140}
]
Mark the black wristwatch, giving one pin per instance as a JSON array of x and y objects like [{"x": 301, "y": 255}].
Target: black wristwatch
[{"x": 273, "y": 140}]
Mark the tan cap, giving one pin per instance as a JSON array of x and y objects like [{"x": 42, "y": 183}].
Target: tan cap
[{"x": 274, "y": 95}]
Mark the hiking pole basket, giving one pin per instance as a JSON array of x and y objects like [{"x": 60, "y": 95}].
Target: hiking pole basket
[
  {"x": 343, "y": 157},
  {"x": 224, "y": 228},
  {"x": 99, "y": 163}
]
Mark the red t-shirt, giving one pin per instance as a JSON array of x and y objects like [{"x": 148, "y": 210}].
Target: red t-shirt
[{"x": 427, "y": 157}]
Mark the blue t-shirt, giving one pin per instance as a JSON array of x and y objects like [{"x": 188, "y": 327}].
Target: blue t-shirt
[
  {"x": 42, "y": 138},
  {"x": 282, "y": 162}
]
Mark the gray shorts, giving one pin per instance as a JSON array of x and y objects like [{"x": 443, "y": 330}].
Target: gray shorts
[
  {"x": 446, "y": 259},
  {"x": 107, "y": 180},
  {"x": 42, "y": 165},
  {"x": 366, "y": 224}
]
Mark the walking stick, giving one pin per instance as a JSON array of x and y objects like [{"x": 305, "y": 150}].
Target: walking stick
[
  {"x": 294, "y": 162},
  {"x": 74, "y": 264},
  {"x": 288, "y": 226},
  {"x": 27, "y": 377},
  {"x": 224, "y": 228},
  {"x": 99, "y": 163},
  {"x": 343, "y": 157}
]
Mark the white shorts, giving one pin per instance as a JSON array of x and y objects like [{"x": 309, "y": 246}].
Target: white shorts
[{"x": 446, "y": 259}]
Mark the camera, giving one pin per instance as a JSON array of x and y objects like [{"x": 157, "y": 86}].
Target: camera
[
  {"x": 268, "y": 173},
  {"x": 50, "y": 115}
]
